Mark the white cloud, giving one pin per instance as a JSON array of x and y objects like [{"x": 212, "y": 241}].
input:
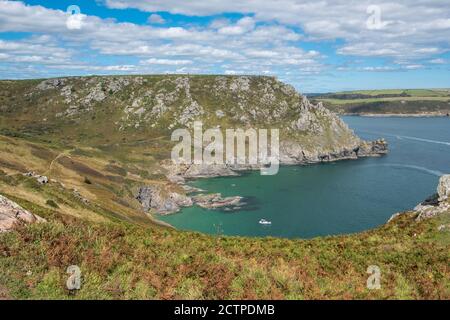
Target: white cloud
[
  {"x": 34, "y": 50},
  {"x": 414, "y": 66},
  {"x": 156, "y": 19},
  {"x": 242, "y": 26},
  {"x": 415, "y": 23},
  {"x": 438, "y": 61},
  {"x": 268, "y": 37},
  {"x": 166, "y": 62}
]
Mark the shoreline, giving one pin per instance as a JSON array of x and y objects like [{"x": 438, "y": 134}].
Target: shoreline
[
  {"x": 395, "y": 115},
  {"x": 430, "y": 207},
  {"x": 154, "y": 216}
]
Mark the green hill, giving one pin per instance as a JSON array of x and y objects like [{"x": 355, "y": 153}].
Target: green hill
[{"x": 427, "y": 102}]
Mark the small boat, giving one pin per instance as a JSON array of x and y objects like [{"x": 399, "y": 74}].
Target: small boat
[{"x": 264, "y": 221}]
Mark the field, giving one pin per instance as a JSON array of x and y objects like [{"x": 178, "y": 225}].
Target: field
[{"x": 399, "y": 101}]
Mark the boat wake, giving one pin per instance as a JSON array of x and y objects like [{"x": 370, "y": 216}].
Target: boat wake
[
  {"x": 436, "y": 173},
  {"x": 425, "y": 140}
]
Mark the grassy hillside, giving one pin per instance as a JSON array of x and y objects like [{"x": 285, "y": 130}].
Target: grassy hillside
[
  {"x": 99, "y": 139},
  {"x": 106, "y": 111},
  {"x": 407, "y": 101},
  {"x": 123, "y": 261}
]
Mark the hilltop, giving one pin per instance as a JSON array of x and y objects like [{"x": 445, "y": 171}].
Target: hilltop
[
  {"x": 413, "y": 102},
  {"x": 107, "y": 110}
]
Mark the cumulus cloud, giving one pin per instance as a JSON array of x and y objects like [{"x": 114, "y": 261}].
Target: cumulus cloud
[
  {"x": 242, "y": 26},
  {"x": 34, "y": 50},
  {"x": 267, "y": 37},
  {"x": 156, "y": 19},
  {"x": 415, "y": 22},
  {"x": 166, "y": 62},
  {"x": 438, "y": 61}
]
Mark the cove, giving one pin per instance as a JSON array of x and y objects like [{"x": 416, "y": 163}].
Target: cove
[{"x": 334, "y": 198}]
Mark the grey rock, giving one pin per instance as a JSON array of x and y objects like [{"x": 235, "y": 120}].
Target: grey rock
[
  {"x": 216, "y": 201},
  {"x": 39, "y": 178},
  {"x": 368, "y": 149},
  {"x": 42, "y": 179},
  {"x": 154, "y": 198},
  {"x": 433, "y": 206},
  {"x": 443, "y": 188},
  {"x": 51, "y": 84},
  {"x": 220, "y": 114},
  {"x": 12, "y": 214}
]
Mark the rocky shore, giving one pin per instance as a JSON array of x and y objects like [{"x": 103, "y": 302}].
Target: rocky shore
[
  {"x": 290, "y": 154},
  {"x": 434, "y": 205},
  {"x": 402, "y": 115},
  {"x": 158, "y": 200}
]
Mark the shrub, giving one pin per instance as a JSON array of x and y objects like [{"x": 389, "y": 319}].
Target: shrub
[{"x": 52, "y": 204}]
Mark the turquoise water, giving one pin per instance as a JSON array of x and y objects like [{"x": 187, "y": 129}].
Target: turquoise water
[{"x": 341, "y": 197}]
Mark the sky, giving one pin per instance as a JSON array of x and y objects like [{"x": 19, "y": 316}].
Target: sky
[{"x": 315, "y": 45}]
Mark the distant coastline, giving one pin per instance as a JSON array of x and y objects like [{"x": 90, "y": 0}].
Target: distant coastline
[
  {"x": 388, "y": 103},
  {"x": 400, "y": 115}
]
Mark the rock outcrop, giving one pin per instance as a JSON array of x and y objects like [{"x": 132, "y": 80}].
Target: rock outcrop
[
  {"x": 158, "y": 200},
  {"x": 38, "y": 177},
  {"x": 437, "y": 203},
  {"x": 309, "y": 133},
  {"x": 434, "y": 205},
  {"x": 443, "y": 189},
  {"x": 216, "y": 201},
  {"x": 11, "y": 214},
  {"x": 291, "y": 153}
]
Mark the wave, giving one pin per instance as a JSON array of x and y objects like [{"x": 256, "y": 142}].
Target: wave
[
  {"x": 426, "y": 140},
  {"x": 436, "y": 173}
]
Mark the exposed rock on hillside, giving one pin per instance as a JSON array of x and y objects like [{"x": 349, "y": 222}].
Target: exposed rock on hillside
[
  {"x": 142, "y": 104},
  {"x": 12, "y": 214},
  {"x": 155, "y": 198},
  {"x": 434, "y": 205}
]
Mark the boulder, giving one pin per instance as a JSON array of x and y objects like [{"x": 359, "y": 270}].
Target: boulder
[
  {"x": 371, "y": 148},
  {"x": 12, "y": 214},
  {"x": 443, "y": 188},
  {"x": 42, "y": 179}
]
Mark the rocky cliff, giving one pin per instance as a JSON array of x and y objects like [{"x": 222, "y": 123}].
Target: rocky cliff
[{"x": 123, "y": 108}]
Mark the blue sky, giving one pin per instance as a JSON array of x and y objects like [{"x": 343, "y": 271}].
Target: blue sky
[{"x": 317, "y": 46}]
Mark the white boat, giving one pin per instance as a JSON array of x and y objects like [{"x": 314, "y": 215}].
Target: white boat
[{"x": 264, "y": 221}]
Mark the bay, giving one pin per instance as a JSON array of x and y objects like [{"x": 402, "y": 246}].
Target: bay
[{"x": 333, "y": 198}]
